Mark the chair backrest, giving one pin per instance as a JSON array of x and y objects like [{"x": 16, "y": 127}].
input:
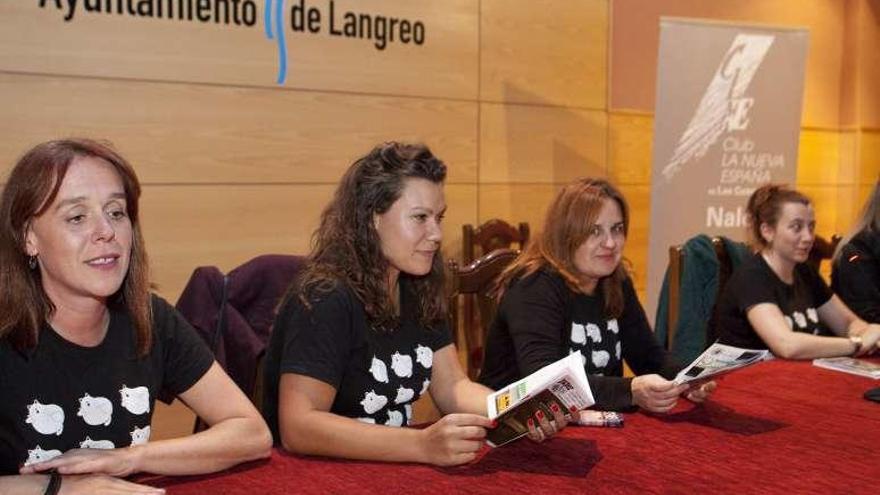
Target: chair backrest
[
  {"x": 676, "y": 264},
  {"x": 234, "y": 313},
  {"x": 493, "y": 234},
  {"x": 471, "y": 286},
  {"x": 822, "y": 250}
]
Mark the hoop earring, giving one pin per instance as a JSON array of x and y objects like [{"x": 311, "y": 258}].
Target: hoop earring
[{"x": 32, "y": 262}]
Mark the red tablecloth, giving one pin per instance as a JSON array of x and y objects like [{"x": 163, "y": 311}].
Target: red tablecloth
[{"x": 777, "y": 427}]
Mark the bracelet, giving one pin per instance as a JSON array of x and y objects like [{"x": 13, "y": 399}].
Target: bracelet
[{"x": 54, "y": 484}]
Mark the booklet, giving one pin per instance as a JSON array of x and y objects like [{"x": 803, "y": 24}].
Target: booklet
[
  {"x": 563, "y": 383},
  {"x": 718, "y": 359},
  {"x": 589, "y": 417},
  {"x": 850, "y": 365}
]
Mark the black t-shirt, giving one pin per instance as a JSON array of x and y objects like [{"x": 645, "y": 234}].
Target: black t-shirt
[
  {"x": 855, "y": 276},
  {"x": 377, "y": 374},
  {"x": 754, "y": 282},
  {"x": 60, "y": 396},
  {"x": 541, "y": 320}
]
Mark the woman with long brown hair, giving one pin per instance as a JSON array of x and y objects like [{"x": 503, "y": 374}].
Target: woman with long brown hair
[
  {"x": 362, "y": 333},
  {"x": 569, "y": 292},
  {"x": 85, "y": 349},
  {"x": 855, "y": 273}
]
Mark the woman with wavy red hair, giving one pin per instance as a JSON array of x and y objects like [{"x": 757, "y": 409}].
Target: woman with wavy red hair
[{"x": 569, "y": 292}]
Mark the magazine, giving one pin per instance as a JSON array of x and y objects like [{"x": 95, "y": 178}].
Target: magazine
[
  {"x": 850, "y": 365},
  {"x": 718, "y": 359},
  {"x": 563, "y": 383}
]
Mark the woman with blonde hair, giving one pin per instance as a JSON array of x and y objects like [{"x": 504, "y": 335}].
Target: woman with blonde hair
[
  {"x": 855, "y": 271},
  {"x": 569, "y": 292},
  {"x": 775, "y": 301}
]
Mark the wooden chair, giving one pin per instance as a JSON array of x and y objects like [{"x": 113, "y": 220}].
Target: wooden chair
[
  {"x": 676, "y": 263},
  {"x": 822, "y": 250},
  {"x": 493, "y": 234},
  {"x": 234, "y": 313},
  {"x": 473, "y": 284}
]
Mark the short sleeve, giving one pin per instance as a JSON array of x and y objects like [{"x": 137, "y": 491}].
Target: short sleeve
[
  {"x": 317, "y": 341},
  {"x": 749, "y": 287},
  {"x": 819, "y": 290},
  {"x": 440, "y": 336},
  {"x": 185, "y": 356}
]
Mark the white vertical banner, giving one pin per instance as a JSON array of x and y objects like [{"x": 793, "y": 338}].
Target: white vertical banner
[{"x": 727, "y": 120}]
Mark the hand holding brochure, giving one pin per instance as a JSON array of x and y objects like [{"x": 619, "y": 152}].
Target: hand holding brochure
[
  {"x": 718, "y": 359},
  {"x": 850, "y": 365},
  {"x": 563, "y": 383}
]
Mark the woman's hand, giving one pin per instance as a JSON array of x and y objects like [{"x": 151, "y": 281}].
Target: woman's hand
[
  {"x": 113, "y": 462},
  {"x": 655, "y": 393},
  {"x": 870, "y": 340},
  {"x": 701, "y": 392},
  {"x": 100, "y": 484},
  {"x": 541, "y": 427},
  {"x": 454, "y": 439}
]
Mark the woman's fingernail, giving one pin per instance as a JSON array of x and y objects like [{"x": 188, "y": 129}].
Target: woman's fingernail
[
  {"x": 494, "y": 424},
  {"x": 554, "y": 407},
  {"x": 573, "y": 408},
  {"x": 531, "y": 423},
  {"x": 539, "y": 415}
]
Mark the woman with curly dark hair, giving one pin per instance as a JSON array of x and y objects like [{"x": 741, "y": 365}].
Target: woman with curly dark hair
[{"x": 362, "y": 333}]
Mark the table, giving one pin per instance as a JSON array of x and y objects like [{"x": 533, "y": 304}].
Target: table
[{"x": 776, "y": 427}]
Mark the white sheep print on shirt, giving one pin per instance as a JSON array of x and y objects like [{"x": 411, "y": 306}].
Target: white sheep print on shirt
[
  {"x": 94, "y": 413},
  {"x": 47, "y": 419},
  {"x": 395, "y": 381},
  {"x": 135, "y": 400},
  {"x": 598, "y": 343}
]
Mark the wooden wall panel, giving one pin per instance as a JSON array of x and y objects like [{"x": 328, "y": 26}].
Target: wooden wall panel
[
  {"x": 208, "y": 134},
  {"x": 868, "y": 77},
  {"x": 38, "y": 40},
  {"x": 633, "y": 52},
  {"x": 225, "y": 225},
  {"x": 819, "y": 157},
  {"x": 461, "y": 208},
  {"x": 630, "y": 137},
  {"x": 849, "y": 204},
  {"x": 549, "y": 52},
  {"x": 526, "y": 143},
  {"x": 516, "y": 203},
  {"x": 638, "y": 197},
  {"x": 869, "y": 157}
]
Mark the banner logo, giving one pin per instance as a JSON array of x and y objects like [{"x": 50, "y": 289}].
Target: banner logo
[{"x": 723, "y": 106}]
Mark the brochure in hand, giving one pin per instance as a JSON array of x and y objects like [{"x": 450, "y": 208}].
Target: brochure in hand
[
  {"x": 719, "y": 359},
  {"x": 563, "y": 383},
  {"x": 850, "y": 365}
]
